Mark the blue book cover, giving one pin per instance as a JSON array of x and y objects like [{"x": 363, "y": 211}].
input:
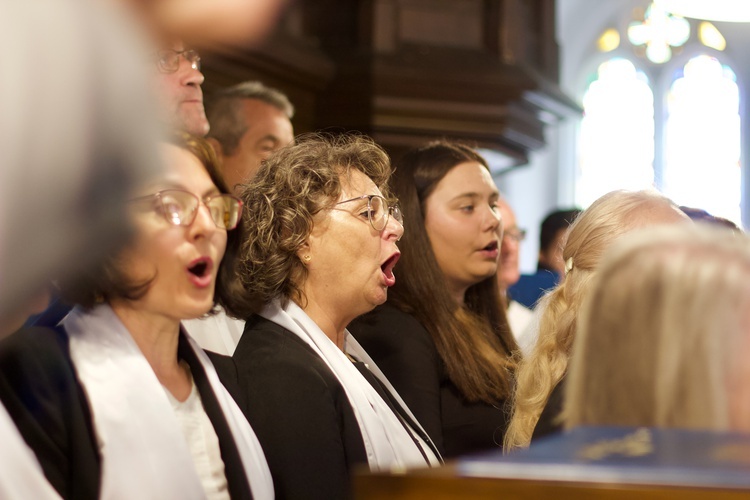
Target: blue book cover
[{"x": 642, "y": 456}]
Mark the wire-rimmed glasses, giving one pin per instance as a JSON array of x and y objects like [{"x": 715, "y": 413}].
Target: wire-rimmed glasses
[
  {"x": 168, "y": 60},
  {"x": 180, "y": 207},
  {"x": 516, "y": 234},
  {"x": 378, "y": 210}
]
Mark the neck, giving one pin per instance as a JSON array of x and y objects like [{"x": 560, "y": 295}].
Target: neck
[
  {"x": 333, "y": 325},
  {"x": 157, "y": 338},
  {"x": 458, "y": 292}
]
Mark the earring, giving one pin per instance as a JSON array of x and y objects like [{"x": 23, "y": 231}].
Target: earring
[{"x": 307, "y": 258}]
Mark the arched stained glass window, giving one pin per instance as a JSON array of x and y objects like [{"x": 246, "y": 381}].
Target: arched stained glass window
[
  {"x": 617, "y": 132},
  {"x": 702, "y": 139}
]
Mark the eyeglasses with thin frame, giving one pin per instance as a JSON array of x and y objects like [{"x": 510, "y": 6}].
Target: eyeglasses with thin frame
[
  {"x": 180, "y": 207},
  {"x": 168, "y": 60},
  {"x": 516, "y": 234},
  {"x": 378, "y": 211}
]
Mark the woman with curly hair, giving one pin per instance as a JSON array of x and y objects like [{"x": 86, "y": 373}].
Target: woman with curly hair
[
  {"x": 538, "y": 398},
  {"x": 443, "y": 338},
  {"x": 319, "y": 250}
]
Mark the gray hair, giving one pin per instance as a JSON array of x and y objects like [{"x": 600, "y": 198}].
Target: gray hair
[{"x": 227, "y": 124}]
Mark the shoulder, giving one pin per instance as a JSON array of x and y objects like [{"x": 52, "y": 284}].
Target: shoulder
[
  {"x": 387, "y": 329},
  {"x": 41, "y": 354},
  {"x": 263, "y": 340},
  {"x": 388, "y": 322},
  {"x": 269, "y": 357}
]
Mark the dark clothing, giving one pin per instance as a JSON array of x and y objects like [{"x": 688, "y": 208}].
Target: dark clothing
[
  {"x": 549, "y": 421},
  {"x": 531, "y": 287},
  {"x": 39, "y": 388},
  {"x": 405, "y": 352},
  {"x": 300, "y": 413}
]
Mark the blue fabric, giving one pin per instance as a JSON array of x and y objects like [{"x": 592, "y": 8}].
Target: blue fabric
[
  {"x": 50, "y": 317},
  {"x": 623, "y": 455},
  {"x": 531, "y": 287}
]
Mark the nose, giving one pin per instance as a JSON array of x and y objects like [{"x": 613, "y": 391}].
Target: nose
[
  {"x": 203, "y": 225},
  {"x": 494, "y": 220},
  {"x": 190, "y": 74},
  {"x": 394, "y": 229}
]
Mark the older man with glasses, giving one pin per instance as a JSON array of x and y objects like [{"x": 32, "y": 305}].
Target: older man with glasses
[
  {"x": 179, "y": 89},
  {"x": 508, "y": 273}
]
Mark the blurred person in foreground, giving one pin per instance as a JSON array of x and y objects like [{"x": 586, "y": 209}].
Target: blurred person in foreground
[
  {"x": 71, "y": 147},
  {"x": 319, "y": 250},
  {"x": 537, "y": 402},
  {"x": 176, "y": 81},
  {"x": 663, "y": 337},
  {"x": 117, "y": 401}
]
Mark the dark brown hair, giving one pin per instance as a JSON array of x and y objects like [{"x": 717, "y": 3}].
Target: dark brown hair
[
  {"x": 474, "y": 340},
  {"x": 291, "y": 187},
  {"x": 107, "y": 280}
]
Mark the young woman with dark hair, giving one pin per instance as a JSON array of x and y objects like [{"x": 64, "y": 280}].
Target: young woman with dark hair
[{"x": 442, "y": 339}]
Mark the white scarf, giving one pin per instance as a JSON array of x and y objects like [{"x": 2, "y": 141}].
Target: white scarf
[
  {"x": 22, "y": 477},
  {"x": 387, "y": 443},
  {"x": 144, "y": 454}
]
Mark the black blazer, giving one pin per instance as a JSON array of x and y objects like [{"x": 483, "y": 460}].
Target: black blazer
[
  {"x": 406, "y": 353},
  {"x": 300, "y": 413},
  {"x": 39, "y": 388}
]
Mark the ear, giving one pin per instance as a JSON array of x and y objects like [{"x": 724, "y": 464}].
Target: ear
[
  {"x": 304, "y": 251},
  {"x": 216, "y": 145}
]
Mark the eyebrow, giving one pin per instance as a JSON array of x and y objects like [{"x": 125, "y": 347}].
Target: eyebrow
[
  {"x": 161, "y": 186},
  {"x": 474, "y": 195}
]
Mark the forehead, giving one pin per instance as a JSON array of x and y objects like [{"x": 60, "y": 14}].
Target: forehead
[
  {"x": 182, "y": 168},
  {"x": 172, "y": 44},
  {"x": 356, "y": 183},
  {"x": 255, "y": 109},
  {"x": 467, "y": 177}
]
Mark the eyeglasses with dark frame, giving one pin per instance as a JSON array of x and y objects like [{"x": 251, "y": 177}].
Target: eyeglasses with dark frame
[
  {"x": 168, "y": 60},
  {"x": 180, "y": 207},
  {"x": 378, "y": 210}
]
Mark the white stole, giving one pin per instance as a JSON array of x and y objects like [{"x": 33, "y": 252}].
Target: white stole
[
  {"x": 387, "y": 444},
  {"x": 216, "y": 333},
  {"x": 21, "y": 476},
  {"x": 144, "y": 454}
]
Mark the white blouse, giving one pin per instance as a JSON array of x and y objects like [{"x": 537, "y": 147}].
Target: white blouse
[{"x": 202, "y": 442}]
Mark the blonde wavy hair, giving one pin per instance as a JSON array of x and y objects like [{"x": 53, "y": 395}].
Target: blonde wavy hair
[
  {"x": 608, "y": 218},
  {"x": 663, "y": 338},
  {"x": 280, "y": 203}
]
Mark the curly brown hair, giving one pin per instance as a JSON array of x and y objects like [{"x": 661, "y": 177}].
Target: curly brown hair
[{"x": 281, "y": 201}]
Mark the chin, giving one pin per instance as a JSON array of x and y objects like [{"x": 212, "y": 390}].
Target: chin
[{"x": 196, "y": 309}]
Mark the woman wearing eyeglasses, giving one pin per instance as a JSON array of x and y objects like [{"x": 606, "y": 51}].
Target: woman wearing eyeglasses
[
  {"x": 319, "y": 251},
  {"x": 116, "y": 401},
  {"x": 443, "y": 338}
]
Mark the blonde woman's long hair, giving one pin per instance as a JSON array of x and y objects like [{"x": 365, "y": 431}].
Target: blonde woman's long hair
[
  {"x": 663, "y": 338},
  {"x": 608, "y": 218}
]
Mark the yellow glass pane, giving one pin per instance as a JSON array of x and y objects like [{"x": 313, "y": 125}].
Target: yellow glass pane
[
  {"x": 710, "y": 36},
  {"x": 609, "y": 40}
]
